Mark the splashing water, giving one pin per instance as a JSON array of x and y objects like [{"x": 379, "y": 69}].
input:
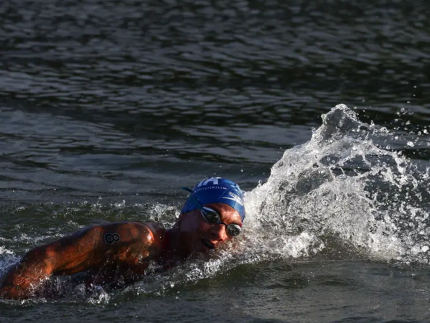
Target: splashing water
[{"x": 341, "y": 187}]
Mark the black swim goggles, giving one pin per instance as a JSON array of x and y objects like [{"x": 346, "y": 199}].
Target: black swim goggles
[{"x": 211, "y": 216}]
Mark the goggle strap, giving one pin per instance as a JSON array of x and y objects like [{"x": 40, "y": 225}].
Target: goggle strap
[{"x": 192, "y": 195}]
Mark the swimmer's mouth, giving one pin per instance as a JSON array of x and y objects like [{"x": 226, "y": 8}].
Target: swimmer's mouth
[{"x": 208, "y": 244}]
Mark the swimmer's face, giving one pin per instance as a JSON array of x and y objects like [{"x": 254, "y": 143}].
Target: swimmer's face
[{"x": 197, "y": 235}]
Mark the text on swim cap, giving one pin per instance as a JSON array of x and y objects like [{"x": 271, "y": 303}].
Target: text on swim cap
[{"x": 213, "y": 180}]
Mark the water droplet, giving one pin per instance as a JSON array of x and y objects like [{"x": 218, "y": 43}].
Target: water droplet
[{"x": 410, "y": 144}]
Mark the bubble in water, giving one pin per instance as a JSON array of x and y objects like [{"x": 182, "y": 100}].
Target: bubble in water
[{"x": 99, "y": 296}]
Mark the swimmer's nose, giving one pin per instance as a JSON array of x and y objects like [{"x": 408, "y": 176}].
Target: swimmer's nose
[{"x": 219, "y": 233}]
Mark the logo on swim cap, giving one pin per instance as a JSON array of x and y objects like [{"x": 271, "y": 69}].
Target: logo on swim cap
[
  {"x": 213, "y": 180},
  {"x": 217, "y": 190},
  {"x": 235, "y": 198}
]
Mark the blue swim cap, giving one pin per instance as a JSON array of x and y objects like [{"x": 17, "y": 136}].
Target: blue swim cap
[{"x": 216, "y": 190}]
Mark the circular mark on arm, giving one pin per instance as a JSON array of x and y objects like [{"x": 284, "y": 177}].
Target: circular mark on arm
[{"x": 111, "y": 238}]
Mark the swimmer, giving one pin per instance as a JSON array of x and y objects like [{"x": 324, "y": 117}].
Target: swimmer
[{"x": 122, "y": 251}]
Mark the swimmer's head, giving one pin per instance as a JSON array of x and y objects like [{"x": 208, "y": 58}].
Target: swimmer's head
[{"x": 216, "y": 190}]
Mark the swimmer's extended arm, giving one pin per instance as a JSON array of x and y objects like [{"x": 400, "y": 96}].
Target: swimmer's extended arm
[{"x": 84, "y": 250}]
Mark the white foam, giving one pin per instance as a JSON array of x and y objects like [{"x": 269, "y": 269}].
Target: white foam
[
  {"x": 341, "y": 186},
  {"x": 4, "y": 251}
]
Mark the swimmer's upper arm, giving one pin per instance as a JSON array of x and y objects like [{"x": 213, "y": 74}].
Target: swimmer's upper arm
[
  {"x": 81, "y": 251},
  {"x": 103, "y": 243},
  {"x": 69, "y": 254}
]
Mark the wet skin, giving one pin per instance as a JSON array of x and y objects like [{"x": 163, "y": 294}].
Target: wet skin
[{"x": 116, "y": 251}]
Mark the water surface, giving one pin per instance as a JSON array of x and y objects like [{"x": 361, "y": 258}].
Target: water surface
[{"x": 107, "y": 108}]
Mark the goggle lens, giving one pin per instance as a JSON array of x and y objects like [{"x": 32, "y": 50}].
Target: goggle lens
[
  {"x": 213, "y": 217},
  {"x": 233, "y": 230}
]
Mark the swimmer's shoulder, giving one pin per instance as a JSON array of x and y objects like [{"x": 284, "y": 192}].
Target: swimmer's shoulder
[
  {"x": 149, "y": 233},
  {"x": 158, "y": 233}
]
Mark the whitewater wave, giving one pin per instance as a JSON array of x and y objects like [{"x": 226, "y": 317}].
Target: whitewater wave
[{"x": 343, "y": 186}]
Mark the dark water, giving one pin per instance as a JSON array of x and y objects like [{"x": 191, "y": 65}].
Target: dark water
[{"x": 107, "y": 108}]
